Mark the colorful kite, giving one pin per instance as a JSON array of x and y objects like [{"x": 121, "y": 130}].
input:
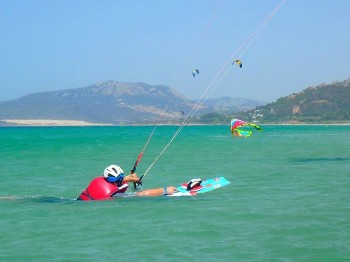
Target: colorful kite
[
  {"x": 238, "y": 62},
  {"x": 242, "y": 128}
]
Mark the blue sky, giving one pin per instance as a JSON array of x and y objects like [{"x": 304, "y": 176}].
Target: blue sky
[{"x": 61, "y": 44}]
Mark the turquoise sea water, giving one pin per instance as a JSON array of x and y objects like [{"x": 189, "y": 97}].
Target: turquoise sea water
[{"x": 289, "y": 197}]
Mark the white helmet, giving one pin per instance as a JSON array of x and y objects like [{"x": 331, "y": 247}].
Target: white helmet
[{"x": 113, "y": 173}]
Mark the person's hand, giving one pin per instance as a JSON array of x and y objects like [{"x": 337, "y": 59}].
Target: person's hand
[
  {"x": 171, "y": 190},
  {"x": 134, "y": 178}
]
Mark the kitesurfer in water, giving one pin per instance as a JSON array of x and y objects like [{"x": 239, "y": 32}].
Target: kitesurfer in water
[{"x": 114, "y": 181}]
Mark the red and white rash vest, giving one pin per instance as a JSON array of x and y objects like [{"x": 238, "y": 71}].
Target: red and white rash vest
[{"x": 100, "y": 189}]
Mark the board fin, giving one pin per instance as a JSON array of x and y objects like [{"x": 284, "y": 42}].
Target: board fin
[
  {"x": 193, "y": 189},
  {"x": 193, "y": 185}
]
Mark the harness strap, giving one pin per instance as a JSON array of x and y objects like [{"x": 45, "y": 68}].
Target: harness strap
[
  {"x": 119, "y": 189},
  {"x": 123, "y": 186},
  {"x": 87, "y": 194}
]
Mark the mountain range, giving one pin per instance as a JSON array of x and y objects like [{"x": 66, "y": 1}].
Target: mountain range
[{"x": 113, "y": 102}]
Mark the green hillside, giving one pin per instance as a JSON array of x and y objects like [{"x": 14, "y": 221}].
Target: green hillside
[{"x": 325, "y": 103}]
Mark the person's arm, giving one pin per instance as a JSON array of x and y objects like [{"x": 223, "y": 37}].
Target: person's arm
[
  {"x": 131, "y": 178},
  {"x": 157, "y": 191}
]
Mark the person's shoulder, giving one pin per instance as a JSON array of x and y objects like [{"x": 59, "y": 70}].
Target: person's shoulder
[{"x": 98, "y": 179}]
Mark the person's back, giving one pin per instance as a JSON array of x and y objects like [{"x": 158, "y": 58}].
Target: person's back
[{"x": 100, "y": 189}]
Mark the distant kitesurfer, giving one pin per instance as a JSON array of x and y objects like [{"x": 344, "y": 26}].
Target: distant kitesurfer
[{"x": 114, "y": 181}]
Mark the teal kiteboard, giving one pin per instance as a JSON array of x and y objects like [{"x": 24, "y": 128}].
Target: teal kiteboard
[{"x": 204, "y": 187}]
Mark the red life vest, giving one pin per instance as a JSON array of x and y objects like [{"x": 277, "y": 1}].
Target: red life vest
[{"x": 100, "y": 189}]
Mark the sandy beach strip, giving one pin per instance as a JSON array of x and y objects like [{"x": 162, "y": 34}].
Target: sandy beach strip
[{"x": 49, "y": 122}]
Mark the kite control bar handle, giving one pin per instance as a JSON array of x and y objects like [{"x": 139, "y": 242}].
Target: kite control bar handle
[
  {"x": 136, "y": 184},
  {"x": 139, "y": 183}
]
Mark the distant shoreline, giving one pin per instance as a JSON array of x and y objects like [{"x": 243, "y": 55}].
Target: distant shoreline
[
  {"x": 55, "y": 122},
  {"x": 48, "y": 122}
]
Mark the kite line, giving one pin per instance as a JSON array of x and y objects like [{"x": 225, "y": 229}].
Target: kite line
[{"x": 238, "y": 53}]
